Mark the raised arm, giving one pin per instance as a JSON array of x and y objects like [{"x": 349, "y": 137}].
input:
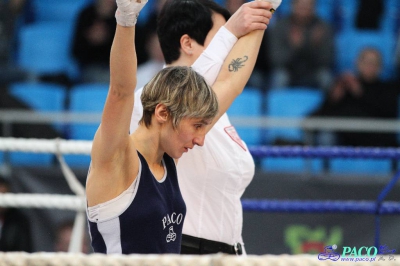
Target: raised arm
[
  {"x": 112, "y": 136},
  {"x": 239, "y": 64},
  {"x": 211, "y": 59},
  {"x": 245, "y": 20}
]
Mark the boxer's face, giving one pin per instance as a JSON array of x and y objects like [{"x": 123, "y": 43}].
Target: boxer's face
[{"x": 190, "y": 132}]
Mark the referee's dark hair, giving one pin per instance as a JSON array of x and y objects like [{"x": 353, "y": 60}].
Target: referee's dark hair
[{"x": 180, "y": 17}]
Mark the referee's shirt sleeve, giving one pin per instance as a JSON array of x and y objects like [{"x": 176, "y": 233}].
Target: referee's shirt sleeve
[{"x": 210, "y": 61}]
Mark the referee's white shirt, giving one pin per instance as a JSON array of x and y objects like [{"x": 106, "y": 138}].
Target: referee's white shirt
[{"x": 213, "y": 178}]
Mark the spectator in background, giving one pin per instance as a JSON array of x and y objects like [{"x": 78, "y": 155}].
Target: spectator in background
[
  {"x": 94, "y": 34},
  {"x": 369, "y": 14},
  {"x": 15, "y": 231},
  {"x": 63, "y": 238},
  {"x": 363, "y": 95},
  {"x": 301, "y": 48},
  {"x": 155, "y": 61},
  {"x": 141, "y": 34},
  {"x": 10, "y": 13}
]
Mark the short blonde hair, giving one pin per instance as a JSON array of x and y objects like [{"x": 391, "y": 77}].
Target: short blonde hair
[{"x": 183, "y": 91}]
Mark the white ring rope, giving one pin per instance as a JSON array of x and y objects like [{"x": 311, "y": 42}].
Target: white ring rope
[
  {"x": 46, "y": 145},
  {"x": 73, "y": 182},
  {"x": 57, "y": 146},
  {"x": 76, "y": 203},
  {"x": 79, "y": 259},
  {"x": 51, "y": 201}
]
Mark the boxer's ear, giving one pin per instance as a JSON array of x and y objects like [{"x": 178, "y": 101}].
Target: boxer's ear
[{"x": 161, "y": 113}]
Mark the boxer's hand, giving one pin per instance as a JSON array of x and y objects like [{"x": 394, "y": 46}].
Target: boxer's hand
[{"x": 128, "y": 11}]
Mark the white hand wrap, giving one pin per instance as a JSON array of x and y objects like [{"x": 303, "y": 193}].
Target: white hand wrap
[
  {"x": 275, "y": 4},
  {"x": 128, "y": 11}
]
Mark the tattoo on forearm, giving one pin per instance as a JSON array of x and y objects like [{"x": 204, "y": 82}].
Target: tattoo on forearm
[{"x": 237, "y": 63}]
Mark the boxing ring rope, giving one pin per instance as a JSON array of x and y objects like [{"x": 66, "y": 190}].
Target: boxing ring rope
[
  {"x": 76, "y": 259},
  {"x": 58, "y": 147},
  {"x": 77, "y": 203},
  {"x": 378, "y": 207}
]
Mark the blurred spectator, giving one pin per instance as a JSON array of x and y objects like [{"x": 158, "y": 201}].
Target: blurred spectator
[
  {"x": 15, "y": 231},
  {"x": 10, "y": 13},
  {"x": 63, "y": 237},
  {"x": 155, "y": 63},
  {"x": 94, "y": 34},
  {"x": 301, "y": 48},
  {"x": 141, "y": 34},
  {"x": 363, "y": 95},
  {"x": 369, "y": 14}
]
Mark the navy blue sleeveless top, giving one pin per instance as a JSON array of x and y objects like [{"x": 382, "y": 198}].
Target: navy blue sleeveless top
[{"x": 152, "y": 223}]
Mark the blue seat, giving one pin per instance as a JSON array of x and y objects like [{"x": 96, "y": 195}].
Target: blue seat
[
  {"x": 291, "y": 102},
  {"x": 40, "y": 97},
  {"x": 350, "y": 43},
  {"x": 296, "y": 102},
  {"x": 146, "y": 12},
  {"x": 360, "y": 166},
  {"x": 58, "y": 10},
  {"x": 85, "y": 98},
  {"x": 348, "y": 12},
  {"x": 326, "y": 9},
  {"x": 248, "y": 104},
  {"x": 390, "y": 23},
  {"x": 44, "y": 49}
]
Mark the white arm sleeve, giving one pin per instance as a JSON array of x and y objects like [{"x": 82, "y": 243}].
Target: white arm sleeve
[
  {"x": 210, "y": 61},
  {"x": 137, "y": 111}
]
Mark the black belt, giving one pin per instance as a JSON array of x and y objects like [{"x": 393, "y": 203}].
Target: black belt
[{"x": 203, "y": 246}]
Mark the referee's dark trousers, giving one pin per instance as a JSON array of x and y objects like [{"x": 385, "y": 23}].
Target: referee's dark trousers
[{"x": 199, "y": 246}]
